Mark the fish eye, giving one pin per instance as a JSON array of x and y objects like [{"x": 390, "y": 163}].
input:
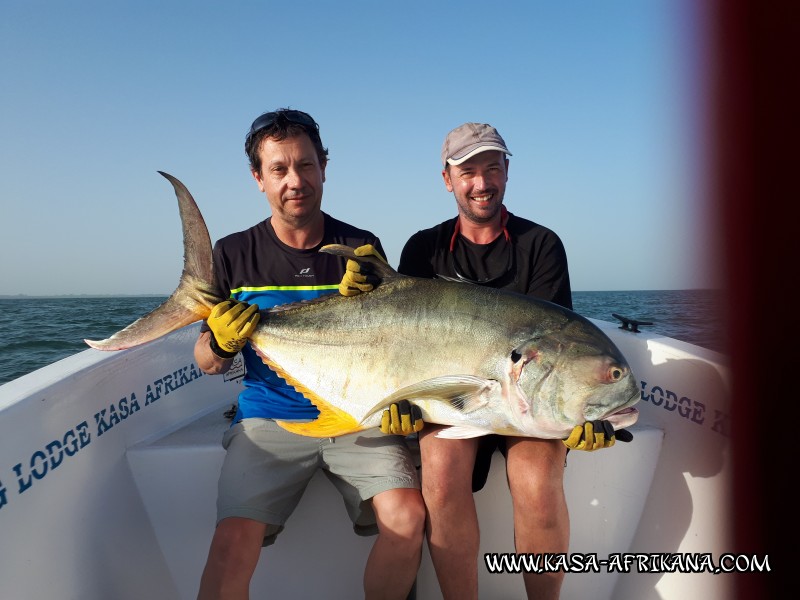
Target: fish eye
[
  {"x": 615, "y": 373},
  {"x": 515, "y": 356}
]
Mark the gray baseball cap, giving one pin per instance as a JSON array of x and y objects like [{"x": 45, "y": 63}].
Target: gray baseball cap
[{"x": 469, "y": 139}]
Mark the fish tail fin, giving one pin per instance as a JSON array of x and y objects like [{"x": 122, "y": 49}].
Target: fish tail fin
[
  {"x": 380, "y": 268},
  {"x": 195, "y": 295}
]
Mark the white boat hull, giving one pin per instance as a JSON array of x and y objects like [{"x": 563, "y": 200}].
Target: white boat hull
[{"x": 94, "y": 506}]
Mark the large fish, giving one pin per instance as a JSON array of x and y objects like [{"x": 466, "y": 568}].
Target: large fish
[{"x": 478, "y": 359}]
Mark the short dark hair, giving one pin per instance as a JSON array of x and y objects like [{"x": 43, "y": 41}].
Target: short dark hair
[{"x": 279, "y": 125}]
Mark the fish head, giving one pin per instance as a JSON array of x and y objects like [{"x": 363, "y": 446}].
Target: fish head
[{"x": 569, "y": 375}]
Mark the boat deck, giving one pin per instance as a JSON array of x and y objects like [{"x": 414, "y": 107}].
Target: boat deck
[{"x": 177, "y": 475}]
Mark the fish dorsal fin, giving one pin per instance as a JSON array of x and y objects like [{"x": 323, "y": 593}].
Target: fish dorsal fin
[
  {"x": 466, "y": 393},
  {"x": 382, "y": 269},
  {"x": 332, "y": 421}
]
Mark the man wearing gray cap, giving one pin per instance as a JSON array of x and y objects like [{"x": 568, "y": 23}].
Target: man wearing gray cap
[{"x": 487, "y": 245}]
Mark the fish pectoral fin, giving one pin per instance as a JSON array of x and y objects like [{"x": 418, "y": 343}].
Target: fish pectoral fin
[
  {"x": 465, "y": 393},
  {"x": 461, "y": 432}
]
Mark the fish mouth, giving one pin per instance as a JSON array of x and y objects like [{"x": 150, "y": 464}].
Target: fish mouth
[{"x": 623, "y": 418}]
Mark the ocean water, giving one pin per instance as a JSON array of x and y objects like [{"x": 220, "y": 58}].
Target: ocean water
[
  {"x": 694, "y": 316},
  {"x": 35, "y": 332}
]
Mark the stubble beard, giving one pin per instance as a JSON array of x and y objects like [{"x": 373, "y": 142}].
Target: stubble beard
[{"x": 484, "y": 215}]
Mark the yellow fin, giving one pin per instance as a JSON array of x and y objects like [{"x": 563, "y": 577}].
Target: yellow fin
[
  {"x": 332, "y": 421},
  {"x": 329, "y": 424}
]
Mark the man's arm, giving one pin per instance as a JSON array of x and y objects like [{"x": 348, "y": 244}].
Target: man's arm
[{"x": 209, "y": 363}]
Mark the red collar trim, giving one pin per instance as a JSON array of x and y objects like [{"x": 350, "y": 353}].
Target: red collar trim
[{"x": 503, "y": 222}]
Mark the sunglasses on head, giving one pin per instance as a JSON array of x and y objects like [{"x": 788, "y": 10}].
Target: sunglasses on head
[{"x": 291, "y": 116}]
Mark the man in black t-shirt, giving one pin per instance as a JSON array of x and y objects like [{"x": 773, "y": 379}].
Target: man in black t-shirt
[
  {"x": 487, "y": 245},
  {"x": 267, "y": 468}
]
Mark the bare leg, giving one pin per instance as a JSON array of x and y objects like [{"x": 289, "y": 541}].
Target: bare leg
[
  {"x": 394, "y": 560},
  {"x": 541, "y": 519},
  {"x": 452, "y": 527},
  {"x": 232, "y": 559}
]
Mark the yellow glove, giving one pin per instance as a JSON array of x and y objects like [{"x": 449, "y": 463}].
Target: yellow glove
[
  {"x": 402, "y": 418},
  {"x": 231, "y": 324},
  {"x": 595, "y": 435},
  {"x": 358, "y": 278}
]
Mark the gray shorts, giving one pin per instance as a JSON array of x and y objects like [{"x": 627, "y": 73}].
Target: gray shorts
[{"x": 267, "y": 469}]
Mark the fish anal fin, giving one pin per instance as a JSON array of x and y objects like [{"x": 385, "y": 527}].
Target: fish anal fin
[
  {"x": 328, "y": 424},
  {"x": 331, "y": 422}
]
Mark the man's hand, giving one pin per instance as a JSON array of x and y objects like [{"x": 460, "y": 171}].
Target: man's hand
[
  {"x": 231, "y": 324},
  {"x": 595, "y": 435},
  {"x": 402, "y": 418},
  {"x": 358, "y": 278}
]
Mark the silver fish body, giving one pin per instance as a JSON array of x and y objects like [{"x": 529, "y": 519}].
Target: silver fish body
[
  {"x": 478, "y": 359},
  {"x": 484, "y": 360}
]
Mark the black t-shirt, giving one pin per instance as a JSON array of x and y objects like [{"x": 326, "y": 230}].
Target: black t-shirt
[
  {"x": 255, "y": 266},
  {"x": 533, "y": 262}
]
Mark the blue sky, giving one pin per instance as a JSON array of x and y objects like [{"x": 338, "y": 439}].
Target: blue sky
[{"x": 601, "y": 104}]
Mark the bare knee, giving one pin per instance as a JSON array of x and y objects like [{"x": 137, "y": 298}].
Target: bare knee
[
  {"x": 232, "y": 559},
  {"x": 236, "y": 541},
  {"x": 447, "y": 472},
  {"x": 440, "y": 494},
  {"x": 401, "y": 513}
]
